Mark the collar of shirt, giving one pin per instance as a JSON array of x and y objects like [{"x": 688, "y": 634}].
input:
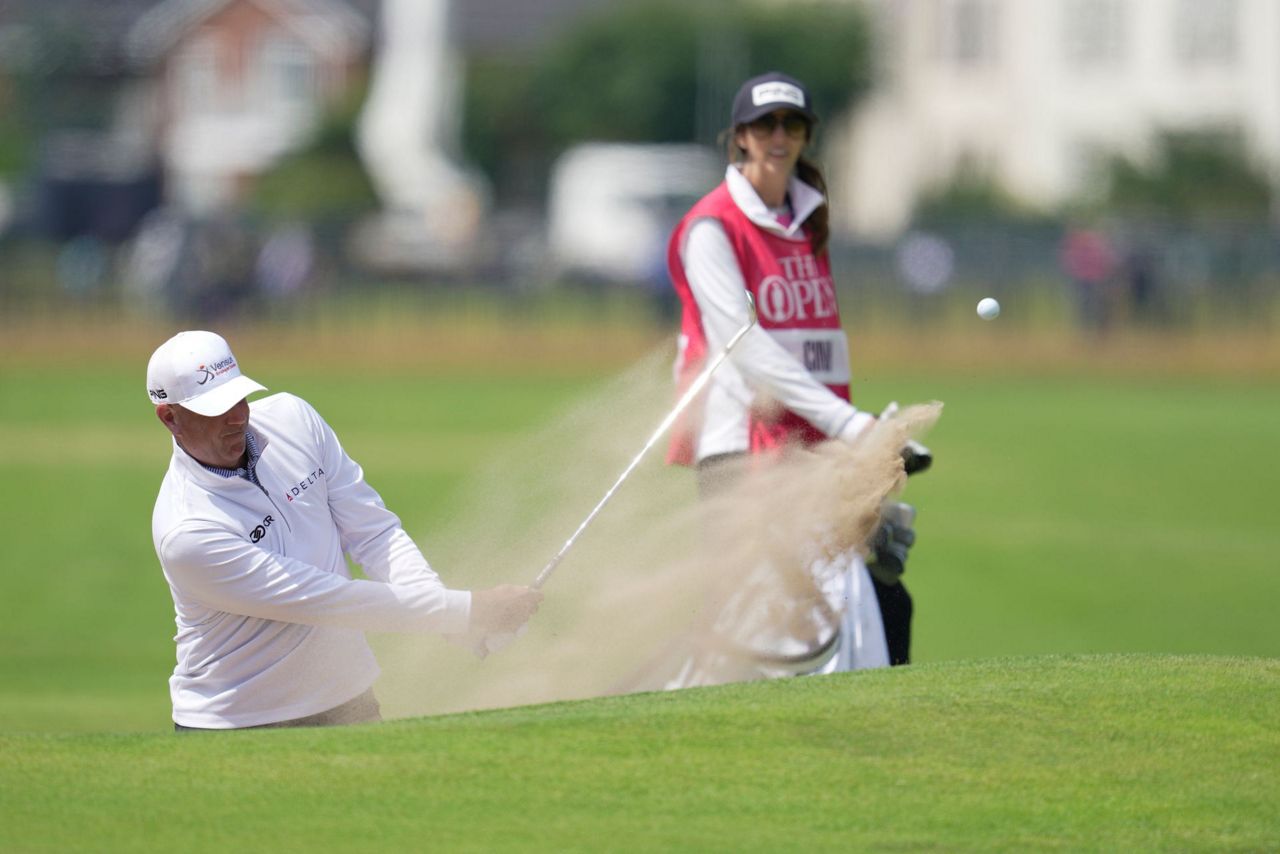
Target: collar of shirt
[
  {"x": 248, "y": 470},
  {"x": 804, "y": 201}
]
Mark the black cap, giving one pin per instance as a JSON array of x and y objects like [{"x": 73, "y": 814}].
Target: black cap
[{"x": 768, "y": 92}]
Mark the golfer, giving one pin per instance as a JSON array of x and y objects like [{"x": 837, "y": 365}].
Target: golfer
[
  {"x": 258, "y": 507},
  {"x": 764, "y": 232}
]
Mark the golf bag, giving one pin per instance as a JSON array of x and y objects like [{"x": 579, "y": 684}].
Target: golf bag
[{"x": 811, "y": 615}]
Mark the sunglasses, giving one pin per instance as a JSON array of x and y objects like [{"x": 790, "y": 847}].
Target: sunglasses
[{"x": 793, "y": 123}]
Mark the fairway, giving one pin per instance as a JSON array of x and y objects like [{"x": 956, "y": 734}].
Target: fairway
[
  {"x": 1074, "y": 508},
  {"x": 1096, "y": 753},
  {"x": 1094, "y": 583}
]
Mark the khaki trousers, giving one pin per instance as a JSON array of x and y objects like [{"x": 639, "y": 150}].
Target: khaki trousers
[{"x": 362, "y": 710}]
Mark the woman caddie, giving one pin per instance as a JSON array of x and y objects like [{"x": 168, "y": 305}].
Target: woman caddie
[{"x": 764, "y": 232}]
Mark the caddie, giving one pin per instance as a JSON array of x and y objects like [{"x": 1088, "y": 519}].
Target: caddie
[
  {"x": 763, "y": 233},
  {"x": 258, "y": 507}
]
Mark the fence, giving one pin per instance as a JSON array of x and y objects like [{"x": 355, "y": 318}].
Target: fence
[{"x": 1152, "y": 274}]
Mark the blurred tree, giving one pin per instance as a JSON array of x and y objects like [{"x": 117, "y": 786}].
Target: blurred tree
[
  {"x": 827, "y": 45},
  {"x": 626, "y": 76},
  {"x": 325, "y": 179},
  {"x": 971, "y": 195},
  {"x": 48, "y": 81},
  {"x": 638, "y": 73},
  {"x": 1192, "y": 175},
  {"x": 15, "y": 142}
]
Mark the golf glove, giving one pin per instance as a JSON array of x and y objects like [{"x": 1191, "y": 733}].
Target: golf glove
[
  {"x": 891, "y": 542},
  {"x": 500, "y": 641}
]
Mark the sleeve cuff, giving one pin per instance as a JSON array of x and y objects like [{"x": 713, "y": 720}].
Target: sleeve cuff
[
  {"x": 457, "y": 612},
  {"x": 854, "y": 427}
]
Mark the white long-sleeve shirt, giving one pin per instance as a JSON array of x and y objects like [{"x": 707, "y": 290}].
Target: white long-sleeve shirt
[
  {"x": 270, "y": 623},
  {"x": 759, "y": 364}
]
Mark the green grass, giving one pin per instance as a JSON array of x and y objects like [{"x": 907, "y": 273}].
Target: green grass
[
  {"x": 1097, "y": 515},
  {"x": 1053, "y": 753},
  {"x": 1095, "y": 638},
  {"x": 1065, "y": 514}
]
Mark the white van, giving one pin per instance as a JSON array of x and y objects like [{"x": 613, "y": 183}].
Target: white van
[{"x": 612, "y": 206}]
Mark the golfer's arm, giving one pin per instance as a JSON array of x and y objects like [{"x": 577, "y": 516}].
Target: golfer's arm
[
  {"x": 719, "y": 289},
  {"x": 224, "y": 572},
  {"x": 371, "y": 534}
]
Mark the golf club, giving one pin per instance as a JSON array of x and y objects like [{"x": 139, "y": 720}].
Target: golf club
[{"x": 694, "y": 389}]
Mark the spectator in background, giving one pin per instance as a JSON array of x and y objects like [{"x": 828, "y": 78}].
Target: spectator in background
[
  {"x": 1089, "y": 261},
  {"x": 82, "y": 265},
  {"x": 285, "y": 263},
  {"x": 1146, "y": 302}
]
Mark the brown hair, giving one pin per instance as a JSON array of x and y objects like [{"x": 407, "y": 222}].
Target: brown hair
[{"x": 818, "y": 225}]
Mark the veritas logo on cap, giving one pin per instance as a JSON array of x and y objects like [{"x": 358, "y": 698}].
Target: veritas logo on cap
[
  {"x": 208, "y": 372},
  {"x": 776, "y": 92}
]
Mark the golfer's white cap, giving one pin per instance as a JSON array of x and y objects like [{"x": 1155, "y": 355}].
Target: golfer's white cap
[{"x": 197, "y": 371}]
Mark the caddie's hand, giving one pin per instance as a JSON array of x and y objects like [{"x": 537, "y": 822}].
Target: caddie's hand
[
  {"x": 860, "y": 424},
  {"x": 503, "y": 609}
]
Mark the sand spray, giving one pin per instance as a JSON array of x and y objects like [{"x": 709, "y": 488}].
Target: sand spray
[{"x": 646, "y": 581}]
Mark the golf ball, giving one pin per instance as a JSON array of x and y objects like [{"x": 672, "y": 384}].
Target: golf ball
[{"x": 988, "y": 308}]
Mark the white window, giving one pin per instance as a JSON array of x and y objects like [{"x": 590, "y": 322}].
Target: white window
[
  {"x": 968, "y": 32},
  {"x": 286, "y": 75},
  {"x": 1094, "y": 33},
  {"x": 195, "y": 78},
  {"x": 1207, "y": 32}
]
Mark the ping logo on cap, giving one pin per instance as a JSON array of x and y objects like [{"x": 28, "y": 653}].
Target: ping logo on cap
[
  {"x": 775, "y": 92},
  {"x": 157, "y": 394}
]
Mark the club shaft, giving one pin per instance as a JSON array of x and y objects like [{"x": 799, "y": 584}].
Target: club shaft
[{"x": 690, "y": 393}]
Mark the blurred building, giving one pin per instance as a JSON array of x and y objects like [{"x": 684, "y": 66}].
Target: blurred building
[
  {"x": 86, "y": 168},
  {"x": 135, "y": 102},
  {"x": 1036, "y": 94},
  {"x": 236, "y": 83}
]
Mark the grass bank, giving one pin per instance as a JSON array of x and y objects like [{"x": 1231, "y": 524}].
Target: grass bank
[{"x": 1111, "y": 752}]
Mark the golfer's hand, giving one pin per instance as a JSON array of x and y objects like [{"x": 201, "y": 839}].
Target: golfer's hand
[{"x": 502, "y": 609}]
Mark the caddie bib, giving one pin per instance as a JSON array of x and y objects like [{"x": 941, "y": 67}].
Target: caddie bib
[{"x": 796, "y": 305}]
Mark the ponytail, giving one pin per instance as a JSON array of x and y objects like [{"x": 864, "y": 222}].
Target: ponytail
[{"x": 818, "y": 224}]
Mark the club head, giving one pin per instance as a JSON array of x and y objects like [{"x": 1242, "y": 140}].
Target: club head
[{"x": 916, "y": 457}]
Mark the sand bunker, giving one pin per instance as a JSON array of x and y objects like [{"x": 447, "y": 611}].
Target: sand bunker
[{"x": 647, "y": 578}]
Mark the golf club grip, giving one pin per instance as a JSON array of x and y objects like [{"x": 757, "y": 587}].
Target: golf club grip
[{"x": 694, "y": 389}]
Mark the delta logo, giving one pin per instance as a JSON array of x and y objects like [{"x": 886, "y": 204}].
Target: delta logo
[{"x": 304, "y": 484}]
